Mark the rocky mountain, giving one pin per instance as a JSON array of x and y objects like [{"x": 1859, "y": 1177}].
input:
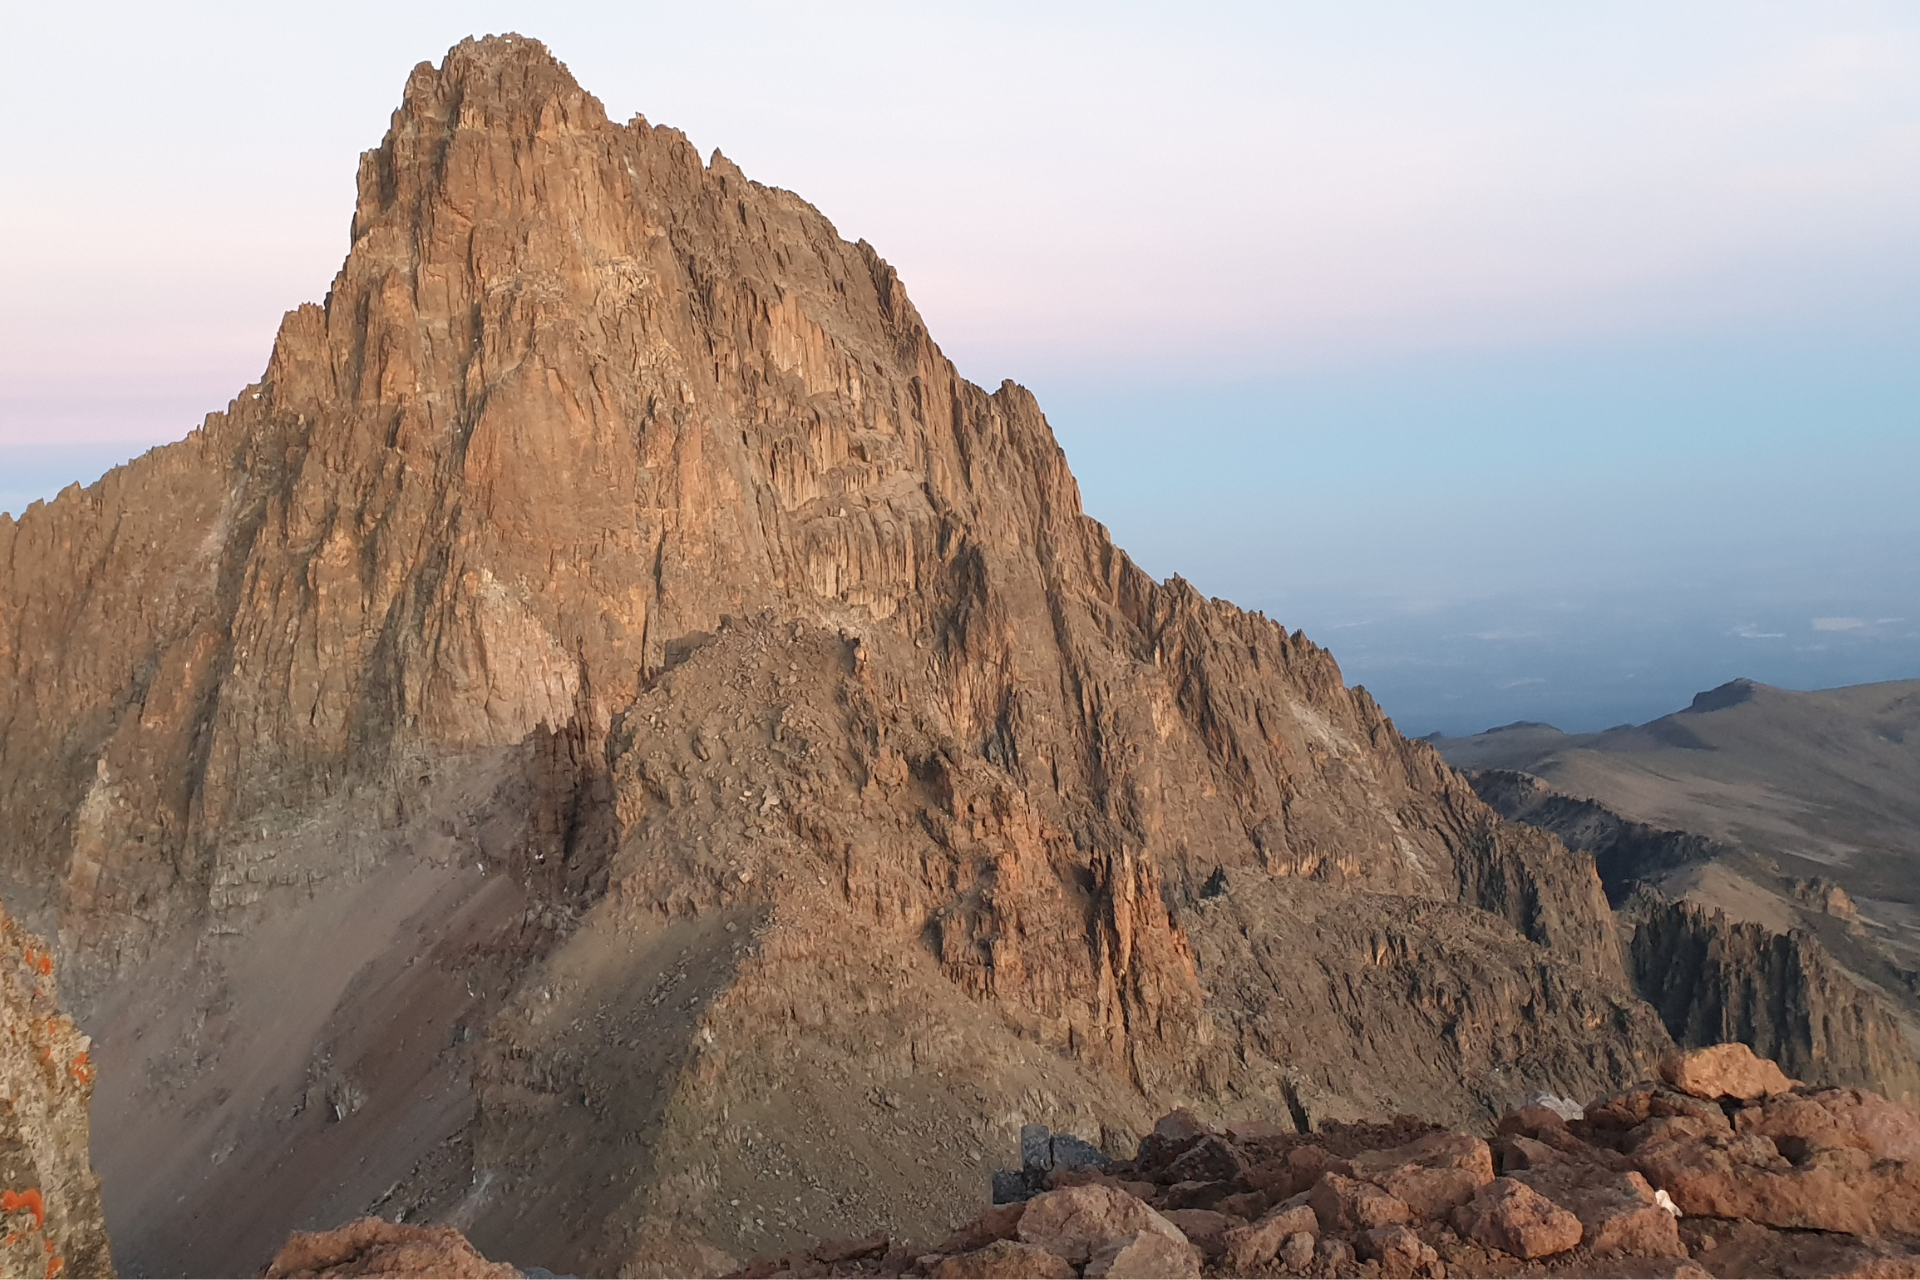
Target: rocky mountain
[
  {"x": 50, "y": 1218},
  {"x": 613, "y": 746}
]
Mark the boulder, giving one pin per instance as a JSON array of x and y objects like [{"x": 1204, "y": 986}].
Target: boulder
[
  {"x": 1253, "y": 1245},
  {"x": 1003, "y": 1260},
  {"x": 1074, "y": 1221},
  {"x": 1143, "y": 1257},
  {"x": 1398, "y": 1251},
  {"x": 1332, "y": 1255},
  {"x": 1433, "y": 1174},
  {"x": 1345, "y": 1204},
  {"x": 1837, "y": 1188},
  {"x": 1725, "y": 1071},
  {"x": 1512, "y": 1217},
  {"x": 1297, "y": 1253},
  {"x": 371, "y": 1247},
  {"x": 1618, "y": 1212},
  {"x": 1829, "y": 1118}
]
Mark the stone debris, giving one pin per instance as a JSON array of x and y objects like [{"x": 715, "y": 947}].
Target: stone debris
[{"x": 1654, "y": 1180}]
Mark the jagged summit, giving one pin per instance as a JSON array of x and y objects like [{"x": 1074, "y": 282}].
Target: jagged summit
[{"x": 612, "y": 707}]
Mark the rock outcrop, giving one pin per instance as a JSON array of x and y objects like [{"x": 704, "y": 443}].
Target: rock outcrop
[
  {"x": 612, "y": 714},
  {"x": 1724, "y": 1175},
  {"x": 50, "y": 1218}
]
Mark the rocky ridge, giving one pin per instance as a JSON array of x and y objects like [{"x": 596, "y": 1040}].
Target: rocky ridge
[
  {"x": 1723, "y": 1167},
  {"x": 613, "y": 715},
  {"x": 50, "y": 1218}
]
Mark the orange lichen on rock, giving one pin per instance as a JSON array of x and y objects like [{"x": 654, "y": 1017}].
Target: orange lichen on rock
[{"x": 12, "y": 1201}]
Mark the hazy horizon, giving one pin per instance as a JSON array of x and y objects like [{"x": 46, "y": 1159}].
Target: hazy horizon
[{"x": 1543, "y": 364}]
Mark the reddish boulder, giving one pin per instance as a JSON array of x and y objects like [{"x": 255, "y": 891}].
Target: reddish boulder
[
  {"x": 1344, "y": 1204},
  {"x": 1075, "y": 1221},
  {"x": 1725, "y": 1071},
  {"x": 1251, "y": 1246},
  {"x": 1297, "y": 1253},
  {"x": 1617, "y": 1211},
  {"x": 1833, "y": 1189},
  {"x": 373, "y": 1248},
  {"x": 1399, "y": 1252},
  {"x": 1514, "y": 1218},
  {"x": 1829, "y": 1118},
  {"x": 1829, "y": 1160},
  {"x": 1433, "y": 1174},
  {"x": 1144, "y": 1257}
]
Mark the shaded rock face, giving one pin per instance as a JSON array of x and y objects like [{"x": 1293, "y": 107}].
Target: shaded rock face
[
  {"x": 1713, "y": 979},
  {"x": 50, "y": 1218},
  {"x": 706, "y": 731},
  {"x": 1780, "y": 993}
]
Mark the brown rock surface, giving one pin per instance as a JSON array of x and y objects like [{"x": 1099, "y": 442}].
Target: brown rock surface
[
  {"x": 1432, "y": 1175},
  {"x": 1514, "y": 1218},
  {"x": 1074, "y": 1222},
  {"x": 372, "y": 1248},
  {"x": 1004, "y": 1258},
  {"x": 50, "y": 1218},
  {"x": 1144, "y": 1256},
  {"x": 1245, "y": 1248},
  {"x": 612, "y": 723},
  {"x": 1399, "y": 1252},
  {"x": 1724, "y": 1071},
  {"x": 1342, "y": 1204}
]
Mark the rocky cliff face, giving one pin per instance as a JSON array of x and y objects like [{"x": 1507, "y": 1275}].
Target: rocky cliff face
[
  {"x": 50, "y": 1219},
  {"x": 1716, "y": 979},
  {"x": 613, "y": 646}
]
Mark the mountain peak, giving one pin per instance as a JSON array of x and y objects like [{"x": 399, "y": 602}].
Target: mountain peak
[
  {"x": 613, "y": 595},
  {"x": 1731, "y": 694}
]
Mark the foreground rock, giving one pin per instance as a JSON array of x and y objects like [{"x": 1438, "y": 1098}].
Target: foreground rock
[
  {"x": 1649, "y": 1181},
  {"x": 370, "y": 1247},
  {"x": 50, "y": 1219}
]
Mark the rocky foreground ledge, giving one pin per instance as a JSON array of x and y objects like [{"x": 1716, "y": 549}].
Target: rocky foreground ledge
[{"x": 1725, "y": 1167}]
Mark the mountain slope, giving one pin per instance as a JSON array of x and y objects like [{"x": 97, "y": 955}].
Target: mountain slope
[{"x": 612, "y": 713}]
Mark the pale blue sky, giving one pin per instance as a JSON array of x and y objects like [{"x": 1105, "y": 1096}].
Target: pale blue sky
[{"x": 1544, "y": 360}]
